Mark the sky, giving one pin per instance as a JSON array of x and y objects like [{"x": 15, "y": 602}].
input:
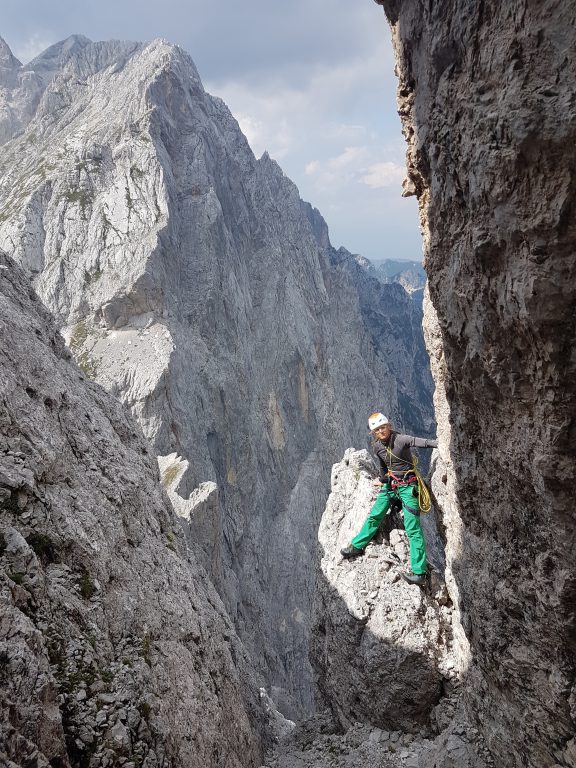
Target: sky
[{"x": 310, "y": 81}]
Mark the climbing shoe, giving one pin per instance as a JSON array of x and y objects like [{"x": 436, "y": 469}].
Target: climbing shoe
[
  {"x": 351, "y": 551},
  {"x": 414, "y": 578}
]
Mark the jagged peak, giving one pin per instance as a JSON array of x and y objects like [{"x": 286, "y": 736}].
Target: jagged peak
[
  {"x": 58, "y": 53},
  {"x": 363, "y": 262},
  {"x": 7, "y": 58},
  {"x": 270, "y": 163},
  {"x": 176, "y": 55},
  {"x": 318, "y": 224},
  {"x": 92, "y": 57}
]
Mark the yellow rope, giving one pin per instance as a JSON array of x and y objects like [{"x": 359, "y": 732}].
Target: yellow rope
[{"x": 424, "y": 500}]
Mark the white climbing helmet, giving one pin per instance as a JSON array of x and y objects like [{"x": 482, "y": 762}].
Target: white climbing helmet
[{"x": 376, "y": 420}]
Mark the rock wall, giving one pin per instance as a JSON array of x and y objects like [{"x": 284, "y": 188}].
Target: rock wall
[
  {"x": 194, "y": 283},
  {"x": 22, "y": 87},
  {"x": 114, "y": 646},
  {"x": 487, "y": 96}
]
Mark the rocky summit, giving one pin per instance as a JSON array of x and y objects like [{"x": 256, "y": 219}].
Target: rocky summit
[{"x": 194, "y": 284}]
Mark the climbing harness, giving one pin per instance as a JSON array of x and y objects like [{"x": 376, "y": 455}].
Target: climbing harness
[{"x": 409, "y": 478}]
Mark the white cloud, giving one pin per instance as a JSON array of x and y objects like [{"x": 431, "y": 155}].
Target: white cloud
[
  {"x": 32, "y": 46},
  {"x": 349, "y": 158},
  {"x": 355, "y": 165},
  {"x": 292, "y": 118},
  {"x": 252, "y": 128},
  {"x": 384, "y": 175},
  {"x": 311, "y": 167}
]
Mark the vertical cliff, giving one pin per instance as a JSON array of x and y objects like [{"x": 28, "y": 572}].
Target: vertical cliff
[{"x": 487, "y": 96}]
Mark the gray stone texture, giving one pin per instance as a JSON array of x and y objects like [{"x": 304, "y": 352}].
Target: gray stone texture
[
  {"x": 381, "y": 647},
  {"x": 318, "y": 743},
  {"x": 383, "y": 651},
  {"x": 114, "y": 645},
  {"x": 193, "y": 283},
  {"x": 487, "y": 95}
]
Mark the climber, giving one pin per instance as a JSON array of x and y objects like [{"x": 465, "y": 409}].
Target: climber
[{"x": 397, "y": 480}]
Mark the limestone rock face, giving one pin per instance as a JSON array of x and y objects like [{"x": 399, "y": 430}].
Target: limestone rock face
[
  {"x": 21, "y": 87},
  {"x": 193, "y": 283},
  {"x": 487, "y": 95},
  {"x": 114, "y": 646},
  {"x": 394, "y": 324},
  {"x": 381, "y": 647}
]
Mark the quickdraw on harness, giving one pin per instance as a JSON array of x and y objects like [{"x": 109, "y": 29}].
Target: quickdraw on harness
[{"x": 411, "y": 477}]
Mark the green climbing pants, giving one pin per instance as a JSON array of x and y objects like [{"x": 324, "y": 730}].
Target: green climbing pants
[{"x": 411, "y": 523}]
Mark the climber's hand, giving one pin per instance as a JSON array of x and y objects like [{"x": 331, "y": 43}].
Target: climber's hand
[{"x": 377, "y": 482}]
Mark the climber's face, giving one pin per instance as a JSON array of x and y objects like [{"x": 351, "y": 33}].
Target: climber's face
[{"x": 383, "y": 432}]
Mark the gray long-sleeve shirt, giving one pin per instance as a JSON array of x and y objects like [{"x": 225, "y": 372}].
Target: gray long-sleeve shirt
[{"x": 395, "y": 455}]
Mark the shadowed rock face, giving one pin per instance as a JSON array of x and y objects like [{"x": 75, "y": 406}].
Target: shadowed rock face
[
  {"x": 487, "y": 95},
  {"x": 113, "y": 641},
  {"x": 194, "y": 283}
]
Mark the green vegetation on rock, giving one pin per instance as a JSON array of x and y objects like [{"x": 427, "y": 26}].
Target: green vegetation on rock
[{"x": 87, "y": 588}]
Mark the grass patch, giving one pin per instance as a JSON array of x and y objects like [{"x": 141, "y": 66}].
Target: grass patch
[
  {"x": 145, "y": 710},
  {"x": 87, "y": 588},
  {"x": 79, "y": 335},
  {"x": 11, "y": 504},
  {"x": 170, "y": 474},
  {"x": 17, "y": 578},
  {"x": 88, "y": 366},
  {"x": 92, "y": 277},
  {"x": 79, "y": 197},
  {"x": 43, "y": 547},
  {"x": 146, "y": 649},
  {"x": 73, "y": 680}
]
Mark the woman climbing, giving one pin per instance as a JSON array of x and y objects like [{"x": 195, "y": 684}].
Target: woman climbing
[{"x": 397, "y": 480}]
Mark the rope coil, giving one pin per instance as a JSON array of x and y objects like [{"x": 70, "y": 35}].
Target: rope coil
[{"x": 424, "y": 499}]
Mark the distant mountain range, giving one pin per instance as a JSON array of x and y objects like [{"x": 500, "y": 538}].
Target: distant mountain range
[{"x": 410, "y": 274}]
